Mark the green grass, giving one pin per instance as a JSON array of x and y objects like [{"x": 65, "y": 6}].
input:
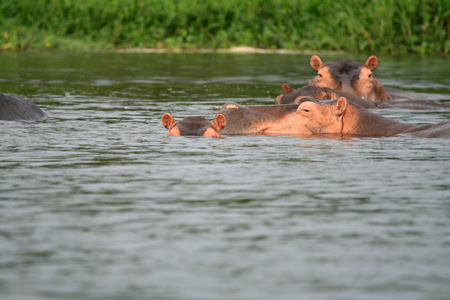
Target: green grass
[{"x": 378, "y": 26}]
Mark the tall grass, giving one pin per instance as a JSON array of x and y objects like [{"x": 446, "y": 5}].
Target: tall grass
[{"x": 381, "y": 26}]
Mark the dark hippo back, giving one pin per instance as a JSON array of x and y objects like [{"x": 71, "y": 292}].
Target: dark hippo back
[
  {"x": 15, "y": 108},
  {"x": 440, "y": 130}
]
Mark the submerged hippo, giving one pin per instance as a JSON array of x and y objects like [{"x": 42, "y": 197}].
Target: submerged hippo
[
  {"x": 197, "y": 126},
  {"x": 324, "y": 93},
  {"x": 311, "y": 117},
  {"x": 16, "y": 108},
  {"x": 356, "y": 78}
]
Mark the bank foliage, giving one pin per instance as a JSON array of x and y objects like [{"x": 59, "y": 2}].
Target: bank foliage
[{"x": 378, "y": 26}]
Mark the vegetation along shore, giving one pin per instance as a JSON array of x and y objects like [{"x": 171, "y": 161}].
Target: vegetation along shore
[{"x": 378, "y": 26}]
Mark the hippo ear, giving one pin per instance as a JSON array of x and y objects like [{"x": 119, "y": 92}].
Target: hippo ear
[
  {"x": 316, "y": 62},
  {"x": 322, "y": 95},
  {"x": 168, "y": 121},
  {"x": 220, "y": 121},
  {"x": 298, "y": 99},
  {"x": 230, "y": 105},
  {"x": 340, "y": 106},
  {"x": 278, "y": 99},
  {"x": 286, "y": 88},
  {"x": 371, "y": 62}
]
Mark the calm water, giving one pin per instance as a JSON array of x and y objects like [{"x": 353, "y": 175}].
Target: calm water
[{"x": 97, "y": 202}]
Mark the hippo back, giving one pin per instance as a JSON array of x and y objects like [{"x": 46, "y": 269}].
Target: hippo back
[
  {"x": 15, "y": 108},
  {"x": 440, "y": 130}
]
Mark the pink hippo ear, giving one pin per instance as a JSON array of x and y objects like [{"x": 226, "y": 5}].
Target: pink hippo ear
[
  {"x": 321, "y": 95},
  {"x": 286, "y": 88},
  {"x": 316, "y": 62},
  {"x": 340, "y": 106},
  {"x": 168, "y": 121},
  {"x": 219, "y": 122},
  {"x": 278, "y": 99},
  {"x": 371, "y": 62}
]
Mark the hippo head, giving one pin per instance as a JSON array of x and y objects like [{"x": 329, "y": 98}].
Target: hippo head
[
  {"x": 349, "y": 76},
  {"x": 324, "y": 117},
  {"x": 196, "y": 126},
  {"x": 306, "y": 118}
]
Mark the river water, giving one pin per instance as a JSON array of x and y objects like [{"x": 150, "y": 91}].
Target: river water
[{"x": 97, "y": 202}]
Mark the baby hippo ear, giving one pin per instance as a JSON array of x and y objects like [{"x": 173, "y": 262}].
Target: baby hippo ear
[
  {"x": 322, "y": 95},
  {"x": 278, "y": 99},
  {"x": 168, "y": 121},
  {"x": 286, "y": 88},
  {"x": 219, "y": 121},
  {"x": 316, "y": 63},
  {"x": 371, "y": 62},
  {"x": 340, "y": 106}
]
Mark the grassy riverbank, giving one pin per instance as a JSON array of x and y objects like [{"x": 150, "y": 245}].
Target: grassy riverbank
[{"x": 379, "y": 26}]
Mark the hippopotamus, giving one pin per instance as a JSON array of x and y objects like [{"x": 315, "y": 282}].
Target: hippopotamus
[
  {"x": 194, "y": 126},
  {"x": 324, "y": 93},
  {"x": 312, "y": 117},
  {"x": 349, "y": 76},
  {"x": 16, "y": 108},
  {"x": 356, "y": 78}
]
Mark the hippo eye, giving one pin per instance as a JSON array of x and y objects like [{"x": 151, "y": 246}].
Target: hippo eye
[
  {"x": 320, "y": 75},
  {"x": 305, "y": 110},
  {"x": 370, "y": 75}
]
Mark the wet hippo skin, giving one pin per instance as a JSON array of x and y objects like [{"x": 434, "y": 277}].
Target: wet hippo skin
[
  {"x": 311, "y": 117},
  {"x": 16, "y": 108},
  {"x": 254, "y": 119}
]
